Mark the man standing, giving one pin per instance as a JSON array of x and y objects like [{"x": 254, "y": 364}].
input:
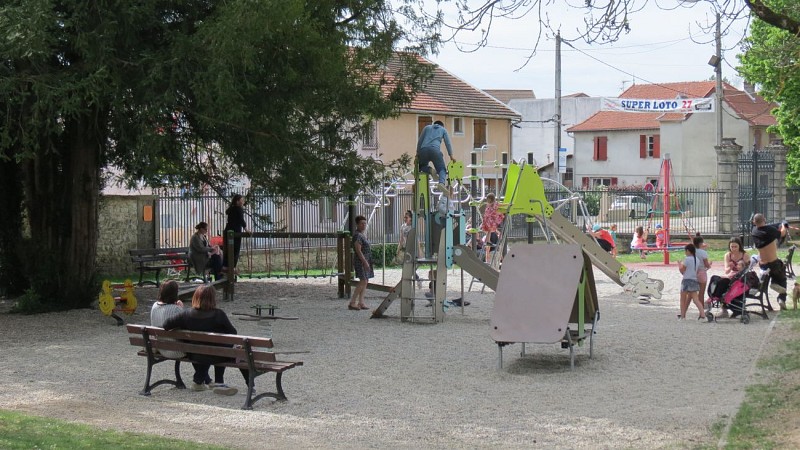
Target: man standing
[
  {"x": 765, "y": 239},
  {"x": 429, "y": 150}
]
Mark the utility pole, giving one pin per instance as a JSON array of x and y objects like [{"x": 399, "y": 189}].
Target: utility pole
[
  {"x": 557, "y": 117},
  {"x": 718, "y": 75}
]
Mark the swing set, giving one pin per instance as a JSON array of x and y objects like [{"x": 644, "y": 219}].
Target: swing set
[{"x": 666, "y": 204}]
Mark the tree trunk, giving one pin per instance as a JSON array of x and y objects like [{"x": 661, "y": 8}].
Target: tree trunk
[
  {"x": 12, "y": 277},
  {"x": 63, "y": 187}
]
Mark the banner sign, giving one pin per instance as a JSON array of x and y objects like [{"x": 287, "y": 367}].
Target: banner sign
[{"x": 676, "y": 105}]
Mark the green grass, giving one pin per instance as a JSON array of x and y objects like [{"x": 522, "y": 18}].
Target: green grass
[
  {"x": 758, "y": 423},
  {"x": 21, "y": 431}
]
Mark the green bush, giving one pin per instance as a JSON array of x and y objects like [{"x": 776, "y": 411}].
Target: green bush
[
  {"x": 377, "y": 254},
  {"x": 592, "y": 202}
]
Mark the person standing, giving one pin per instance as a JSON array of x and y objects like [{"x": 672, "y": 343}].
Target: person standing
[
  {"x": 237, "y": 224},
  {"x": 362, "y": 263},
  {"x": 689, "y": 284},
  {"x": 490, "y": 225},
  {"x": 703, "y": 264},
  {"x": 204, "y": 255},
  {"x": 765, "y": 239},
  {"x": 429, "y": 150}
]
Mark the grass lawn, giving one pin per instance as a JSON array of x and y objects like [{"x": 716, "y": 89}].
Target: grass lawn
[{"x": 20, "y": 431}]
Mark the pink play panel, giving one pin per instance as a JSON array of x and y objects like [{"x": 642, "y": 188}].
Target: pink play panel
[{"x": 536, "y": 293}]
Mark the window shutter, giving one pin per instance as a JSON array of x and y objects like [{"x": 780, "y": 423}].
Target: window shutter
[
  {"x": 614, "y": 181},
  {"x": 596, "y": 152},
  {"x": 603, "y": 148},
  {"x": 642, "y": 146},
  {"x": 585, "y": 182},
  {"x": 657, "y": 146}
]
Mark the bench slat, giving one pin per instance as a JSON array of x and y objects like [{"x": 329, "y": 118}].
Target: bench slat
[
  {"x": 212, "y": 338},
  {"x": 157, "y": 251},
  {"x": 198, "y": 349},
  {"x": 265, "y": 366}
]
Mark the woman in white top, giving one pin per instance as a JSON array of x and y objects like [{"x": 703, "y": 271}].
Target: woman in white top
[{"x": 166, "y": 307}]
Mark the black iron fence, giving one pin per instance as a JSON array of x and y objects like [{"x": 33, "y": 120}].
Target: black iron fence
[{"x": 690, "y": 211}]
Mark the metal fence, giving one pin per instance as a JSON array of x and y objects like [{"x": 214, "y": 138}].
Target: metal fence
[{"x": 696, "y": 211}]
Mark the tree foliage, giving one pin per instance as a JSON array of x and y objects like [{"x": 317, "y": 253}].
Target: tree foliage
[
  {"x": 770, "y": 59},
  {"x": 602, "y": 20},
  {"x": 184, "y": 92}
]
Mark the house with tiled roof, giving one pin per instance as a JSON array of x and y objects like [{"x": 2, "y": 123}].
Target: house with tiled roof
[
  {"x": 625, "y": 148},
  {"x": 475, "y": 121}
]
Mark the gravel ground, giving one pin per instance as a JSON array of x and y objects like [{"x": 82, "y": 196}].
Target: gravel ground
[{"x": 654, "y": 381}]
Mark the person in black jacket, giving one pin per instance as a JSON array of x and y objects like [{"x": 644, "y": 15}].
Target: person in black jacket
[
  {"x": 235, "y": 223},
  {"x": 204, "y": 316}
]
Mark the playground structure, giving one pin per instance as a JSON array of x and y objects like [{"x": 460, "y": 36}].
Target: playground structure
[
  {"x": 523, "y": 193},
  {"x": 117, "y": 298}
]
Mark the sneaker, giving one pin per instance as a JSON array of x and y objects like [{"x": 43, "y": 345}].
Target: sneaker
[
  {"x": 458, "y": 302},
  {"x": 199, "y": 387},
  {"x": 224, "y": 389},
  {"x": 778, "y": 289},
  {"x": 783, "y": 305}
]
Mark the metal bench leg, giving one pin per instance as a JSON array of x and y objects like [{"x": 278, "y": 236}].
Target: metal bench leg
[
  {"x": 146, "y": 390},
  {"x": 178, "y": 380}
]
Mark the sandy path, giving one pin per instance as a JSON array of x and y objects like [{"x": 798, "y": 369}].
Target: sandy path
[{"x": 654, "y": 381}]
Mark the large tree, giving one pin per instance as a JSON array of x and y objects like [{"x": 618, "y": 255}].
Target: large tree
[
  {"x": 771, "y": 60},
  {"x": 180, "y": 91}
]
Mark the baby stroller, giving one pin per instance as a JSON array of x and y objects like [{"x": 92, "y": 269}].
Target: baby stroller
[{"x": 731, "y": 294}]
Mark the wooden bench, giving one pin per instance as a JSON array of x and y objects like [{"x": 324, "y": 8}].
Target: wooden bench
[
  {"x": 158, "y": 259},
  {"x": 245, "y": 352}
]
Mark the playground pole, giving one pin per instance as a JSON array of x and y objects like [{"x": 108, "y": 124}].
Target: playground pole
[{"x": 667, "y": 205}]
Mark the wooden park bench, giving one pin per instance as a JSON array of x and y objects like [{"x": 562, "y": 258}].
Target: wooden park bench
[
  {"x": 245, "y": 352},
  {"x": 158, "y": 259}
]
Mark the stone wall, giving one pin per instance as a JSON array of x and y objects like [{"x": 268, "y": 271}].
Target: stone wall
[{"x": 122, "y": 226}]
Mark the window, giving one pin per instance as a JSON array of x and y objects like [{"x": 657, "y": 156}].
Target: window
[
  {"x": 597, "y": 182},
  {"x": 649, "y": 146},
  {"x": 479, "y": 133},
  {"x": 370, "y": 139},
  {"x": 566, "y": 178},
  {"x": 600, "y": 148},
  {"x": 458, "y": 126}
]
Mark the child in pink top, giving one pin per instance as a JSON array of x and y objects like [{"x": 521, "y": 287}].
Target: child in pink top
[{"x": 639, "y": 241}]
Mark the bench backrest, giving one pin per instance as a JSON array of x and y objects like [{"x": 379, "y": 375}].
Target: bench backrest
[
  {"x": 201, "y": 343},
  {"x": 159, "y": 254}
]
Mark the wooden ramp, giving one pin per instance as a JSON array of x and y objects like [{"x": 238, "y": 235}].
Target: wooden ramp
[
  {"x": 546, "y": 294},
  {"x": 466, "y": 258}
]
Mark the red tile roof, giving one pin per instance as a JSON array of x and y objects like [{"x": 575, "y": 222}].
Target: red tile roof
[
  {"x": 449, "y": 95},
  {"x": 754, "y": 110}
]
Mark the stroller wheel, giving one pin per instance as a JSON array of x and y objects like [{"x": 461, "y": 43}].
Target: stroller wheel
[
  {"x": 745, "y": 318},
  {"x": 709, "y": 316}
]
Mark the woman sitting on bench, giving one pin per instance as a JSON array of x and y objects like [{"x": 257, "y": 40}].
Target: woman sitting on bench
[
  {"x": 204, "y": 316},
  {"x": 203, "y": 255}
]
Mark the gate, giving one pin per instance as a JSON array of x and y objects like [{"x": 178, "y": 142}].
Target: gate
[{"x": 756, "y": 188}]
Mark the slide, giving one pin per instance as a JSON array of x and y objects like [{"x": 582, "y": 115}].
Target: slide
[
  {"x": 466, "y": 258},
  {"x": 634, "y": 282}
]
